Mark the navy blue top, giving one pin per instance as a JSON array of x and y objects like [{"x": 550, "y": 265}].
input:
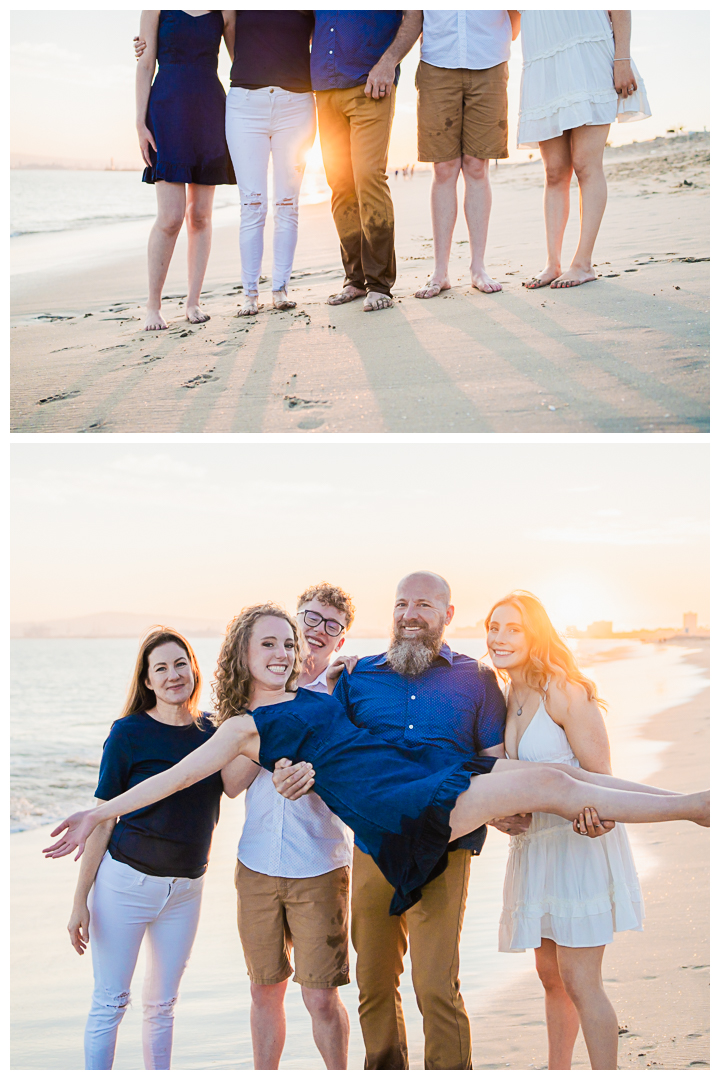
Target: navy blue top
[
  {"x": 170, "y": 838},
  {"x": 272, "y": 48},
  {"x": 397, "y": 799},
  {"x": 347, "y": 44},
  {"x": 186, "y": 108},
  {"x": 456, "y": 705}
]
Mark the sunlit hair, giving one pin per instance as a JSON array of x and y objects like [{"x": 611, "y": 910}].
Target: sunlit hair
[
  {"x": 233, "y": 681},
  {"x": 549, "y": 656},
  {"x": 140, "y": 697},
  {"x": 333, "y": 597}
]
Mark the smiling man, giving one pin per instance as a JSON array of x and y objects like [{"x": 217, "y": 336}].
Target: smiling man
[
  {"x": 418, "y": 692},
  {"x": 293, "y": 876}
]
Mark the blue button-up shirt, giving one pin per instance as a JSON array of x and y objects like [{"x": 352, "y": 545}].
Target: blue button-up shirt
[
  {"x": 456, "y": 705},
  {"x": 347, "y": 44}
]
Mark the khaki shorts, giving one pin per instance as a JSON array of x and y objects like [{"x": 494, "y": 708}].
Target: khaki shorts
[
  {"x": 309, "y": 915},
  {"x": 461, "y": 111}
]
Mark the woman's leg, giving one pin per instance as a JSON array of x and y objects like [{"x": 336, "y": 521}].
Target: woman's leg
[
  {"x": 557, "y": 160},
  {"x": 581, "y": 972},
  {"x": 170, "y": 939},
  {"x": 293, "y": 132},
  {"x": 587, "y": 148},
  {"x": 198, "y": 218},
  {"x": 560, "y": 1014},
  {"x": 247, "y": 129},
  {"x": 520, "y": 787},
  {"x": 119, "y": 913},
  {"x": 164, "y": 233}
]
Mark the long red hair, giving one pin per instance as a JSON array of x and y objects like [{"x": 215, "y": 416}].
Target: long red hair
[{"x": 549, "y": 656}]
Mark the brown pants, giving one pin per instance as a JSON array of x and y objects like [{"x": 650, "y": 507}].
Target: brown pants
[
  {"x": 381, "y": 940},
  {"x": 355, "y": 135}
]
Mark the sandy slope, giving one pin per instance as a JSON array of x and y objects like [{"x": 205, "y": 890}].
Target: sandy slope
[{"x": 627, "y": 353}]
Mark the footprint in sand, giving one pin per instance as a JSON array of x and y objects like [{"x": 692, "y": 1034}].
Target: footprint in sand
[
  {"x": 200, "y": 380},
  {"x": 58, "y": 397}
]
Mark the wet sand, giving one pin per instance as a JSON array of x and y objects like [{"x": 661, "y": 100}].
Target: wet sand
[{"x": 626, "y": 353}]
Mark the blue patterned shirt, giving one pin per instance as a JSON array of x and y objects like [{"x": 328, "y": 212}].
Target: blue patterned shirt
[
  {"x": 456, "y": 705},
  {"x": 347, "y": 44}
]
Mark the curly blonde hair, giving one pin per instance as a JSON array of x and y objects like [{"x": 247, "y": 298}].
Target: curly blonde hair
[
  {"x": 233, "y": 681},
  {"x": 549, "y": 656},
  {"x": 331, "y": 595}
]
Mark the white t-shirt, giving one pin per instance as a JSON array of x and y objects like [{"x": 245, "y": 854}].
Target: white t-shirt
[
  {"x": 466, "y": 39},
  {"x": 300, "y": 839}
]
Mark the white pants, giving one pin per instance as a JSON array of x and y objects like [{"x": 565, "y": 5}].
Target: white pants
[
  {"x": 124, "y": 905},
  {"x": 258, "y": 122}
]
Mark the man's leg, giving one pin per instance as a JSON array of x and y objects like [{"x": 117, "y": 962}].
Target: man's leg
[
  {"x": 478, "y": 204},
  {"x": 266, "y": 945},
  {"x": 334, "y": 127},
  {"x": 316, "y": 909},
  {"x": 370, "y": 127},
  {"x": 440, "y": 123},
  {"x": 434, "y": 926},
  {"x": 380, "y": 942},
  {"x": 443, "y": 208}
]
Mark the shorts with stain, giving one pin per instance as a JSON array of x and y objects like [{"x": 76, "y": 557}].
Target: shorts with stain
[{"x": 462, "y": 111}]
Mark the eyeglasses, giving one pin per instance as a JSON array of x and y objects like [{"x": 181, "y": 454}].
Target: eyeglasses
[{"x": 314, "y": 618}]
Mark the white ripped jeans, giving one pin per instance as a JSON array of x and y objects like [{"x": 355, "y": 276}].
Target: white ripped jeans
[
  {"x": 258, "y": 123},
  {"x": 125, "y": 905}
]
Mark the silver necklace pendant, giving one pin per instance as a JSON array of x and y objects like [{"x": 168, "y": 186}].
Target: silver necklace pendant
[{"x": 519, "y": 712}]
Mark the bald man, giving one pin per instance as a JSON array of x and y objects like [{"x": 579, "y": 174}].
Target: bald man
[{"x": 418, "y": 692}]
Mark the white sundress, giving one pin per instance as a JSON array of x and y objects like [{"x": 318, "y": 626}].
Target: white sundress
[
  {"x": 558, "y": 885},
  {"x": 567, "y": 75}
]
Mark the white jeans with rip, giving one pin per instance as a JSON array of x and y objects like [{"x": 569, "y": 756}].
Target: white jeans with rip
[
  {"x": 126, "y": 905},
  {"x": 259, "y": 123}
]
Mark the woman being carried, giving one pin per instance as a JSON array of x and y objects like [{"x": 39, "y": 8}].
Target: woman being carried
[
  {"x": 181, "y": 128},
  {"x": 146, "y": 871},
  {"x": 563, "y": 896},
  {"x": 577, "y": 78},
  {"x": 405, "y": 804}
]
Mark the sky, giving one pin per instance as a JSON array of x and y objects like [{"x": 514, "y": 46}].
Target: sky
[
  {"x": 597, "y": 531},
  {"x": 72, "y": 84}
]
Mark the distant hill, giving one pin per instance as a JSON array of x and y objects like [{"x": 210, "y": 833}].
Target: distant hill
[{"x": 115, "y": 624}]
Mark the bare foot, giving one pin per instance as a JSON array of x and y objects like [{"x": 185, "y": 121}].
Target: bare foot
[
  {"x": 433, "y": 288},
  {"x": 484, "y": 283},
  {"x": 545, "y": 277},
  {"x": 195, "y": 315},
  {"x": 350, "y": 292},
  {"x": 154, "y": 320},
  {"x": 573, "y": 276},
  {"x": 281, "y": 302},
  {"x": 250, "y": 305},
  {"x": 376, "y": 301}
]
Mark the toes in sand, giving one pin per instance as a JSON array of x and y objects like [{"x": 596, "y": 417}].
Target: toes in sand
[
  {"x": 573, "y": 277},
  {"x": 154, "y": 321},
  {"x": 484, "y": 283},
  {"x": 345, "y": 296},
  {"x": 375, "y": 301},
  {"x": 433, "y": 288}
]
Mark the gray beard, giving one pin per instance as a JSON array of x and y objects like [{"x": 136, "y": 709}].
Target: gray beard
[{"x": 414, "y": 656}]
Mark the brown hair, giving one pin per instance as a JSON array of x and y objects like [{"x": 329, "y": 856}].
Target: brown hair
[
  {"x": 549, "y": 656},
  {"x": 140, "y": 697},
  {"x": 333, "y": 597},
  {"x": 231, "y": 687}
]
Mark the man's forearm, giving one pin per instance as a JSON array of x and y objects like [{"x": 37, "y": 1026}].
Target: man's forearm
[{"x": 408, "y": 33}]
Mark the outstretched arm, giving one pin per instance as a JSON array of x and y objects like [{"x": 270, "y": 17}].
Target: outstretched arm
[{"x": 238, "y": 735}]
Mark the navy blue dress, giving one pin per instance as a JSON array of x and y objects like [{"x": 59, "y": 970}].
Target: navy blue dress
[
  {"x": 397, "y": 799},
  {"x": 186, "y": 110}
]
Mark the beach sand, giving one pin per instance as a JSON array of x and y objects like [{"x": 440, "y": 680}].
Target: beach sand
[
  {"x": 657, "y": 980},
  {"x": 627, "y": 353}
]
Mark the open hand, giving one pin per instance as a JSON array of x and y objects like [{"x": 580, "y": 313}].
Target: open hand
[
  {"x": 293, "y": 781},
  {"x": 79, "y": 826},
  {"x": 336, "y": 667},
  {"x": 588, "y": 823}
]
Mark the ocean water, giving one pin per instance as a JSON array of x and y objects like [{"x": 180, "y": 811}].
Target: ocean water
[
  {"x": 66, "y": 693},
  {"x": 57, "y": 200}
]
